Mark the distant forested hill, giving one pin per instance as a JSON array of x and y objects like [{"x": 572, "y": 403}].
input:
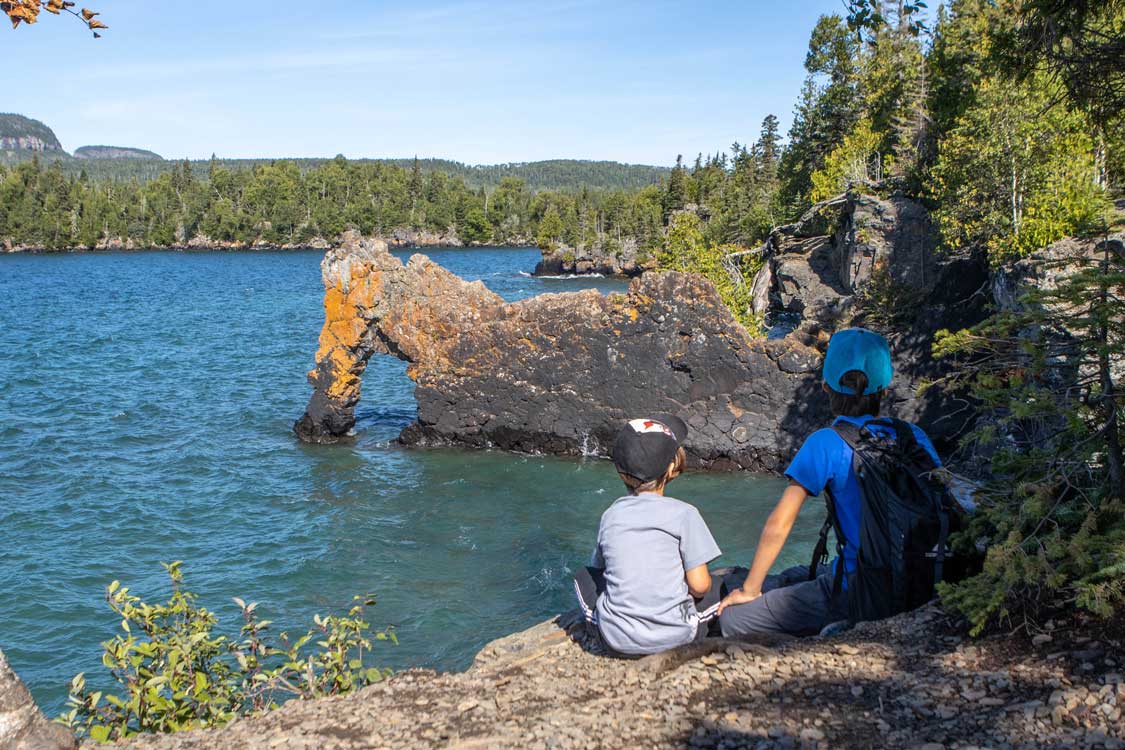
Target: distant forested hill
[
  {"x": 115, "y": 152},
  {"x": 555, "y": 174}
]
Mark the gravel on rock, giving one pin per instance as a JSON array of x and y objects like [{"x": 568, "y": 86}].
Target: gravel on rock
[{"x": 910, "y": 682}]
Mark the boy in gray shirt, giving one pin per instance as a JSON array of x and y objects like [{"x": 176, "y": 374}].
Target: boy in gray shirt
[{"x": 648, "y": 588}]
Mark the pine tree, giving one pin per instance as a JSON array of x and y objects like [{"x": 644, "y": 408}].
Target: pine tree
[
  {"x": 768, "y": 147},
  {"x": 1047, "y": 378},
  {"x": 551, "y": 229},
  {"x": 831, "y": 103},
  {"x": 675, "y": 196},
  {"x": 414, "y": 190}
]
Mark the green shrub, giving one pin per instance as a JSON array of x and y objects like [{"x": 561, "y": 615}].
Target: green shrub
[
  {"x": 850, "y": 163},
  {"x": 1052, "y": 420},
  {"x": 175, "y": 673},
  {"x": 889, "y": 303},
  {"x": 686, "y": 249}
]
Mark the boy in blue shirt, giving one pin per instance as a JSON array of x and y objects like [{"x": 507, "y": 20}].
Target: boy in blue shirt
[{"x": 857, "y": 371}]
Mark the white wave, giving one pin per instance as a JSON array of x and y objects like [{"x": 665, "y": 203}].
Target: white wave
[{"x": 568, "y": 276}]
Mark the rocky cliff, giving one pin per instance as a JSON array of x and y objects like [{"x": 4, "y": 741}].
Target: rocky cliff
[
  {"x": 19, "y": 133},
  {"x": 114, "y": 152},
  {"x": 558, "y": 373}
]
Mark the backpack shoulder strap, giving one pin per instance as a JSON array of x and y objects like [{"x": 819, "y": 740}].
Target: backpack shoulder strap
[
  {"x": 904, "y": 433},
  {"x": 849, "y": 433}
]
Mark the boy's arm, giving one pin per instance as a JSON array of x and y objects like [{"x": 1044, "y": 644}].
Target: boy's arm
[
  {"x": 698, "y": 581},
  {"x": 773, "y": 537},
  {"x": 697, "y": 548}
]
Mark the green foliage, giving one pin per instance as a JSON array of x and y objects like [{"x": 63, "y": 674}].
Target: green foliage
[
  {"x": 831, "y": 104},
  {"x": 1053, "y": 418},
  {"x": 872, "y": 15},
  {"x": 887, "y": 303},
  {"x": 854, "y": 162},
  {"x": 1015, "y": 173},
  {"x": 175, "y": 673},
  {"x": 550, "y": 229},
  {"x": 684, "y": 244},
  {"x": 686, "y": 249},
  {"x": 564, "y": 175},
  {"x": 477, "y": 227},
  {"x": 676, "y": 192},
  {"x": 1079, "y": 43}
]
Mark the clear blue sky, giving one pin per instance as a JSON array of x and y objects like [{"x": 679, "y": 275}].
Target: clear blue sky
[{"x": 478, "y": 81}]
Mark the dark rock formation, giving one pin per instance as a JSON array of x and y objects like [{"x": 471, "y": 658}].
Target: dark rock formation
[
  {"x": 607, "y": 257},
  {"x": 872, "y": 262},
  {"x": 1048, "y": 268},
  {"x": 22, "y": 725},
  {"x": 1045, "y": 268},
  {"x": 838, "y": 248},
  {"x": 114, "y": 152},
  {"x": 558, "y": 373}
]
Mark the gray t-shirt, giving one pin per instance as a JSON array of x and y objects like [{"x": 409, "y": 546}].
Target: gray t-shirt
[{"x": 646, "y": 543}]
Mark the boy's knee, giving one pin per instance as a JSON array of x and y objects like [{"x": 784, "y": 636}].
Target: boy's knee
[{"x": 743, "y": 620}]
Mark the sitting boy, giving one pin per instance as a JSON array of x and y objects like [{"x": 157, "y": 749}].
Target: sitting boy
[
  {"x": 648, "y": 588},
  {"x": 857, "y": 371}
]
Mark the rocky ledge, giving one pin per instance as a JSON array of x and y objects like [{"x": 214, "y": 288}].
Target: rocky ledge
[
  {"x": 607, "y": 257},
  {"x": 559, "y": 372},
  {"x": 910, "y": 682}
]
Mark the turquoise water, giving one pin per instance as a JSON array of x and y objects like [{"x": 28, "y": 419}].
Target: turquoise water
[{"x": 146, "y": 404}]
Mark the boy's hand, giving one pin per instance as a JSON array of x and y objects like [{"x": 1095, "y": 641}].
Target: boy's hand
[{"x": 738, "y": 596}]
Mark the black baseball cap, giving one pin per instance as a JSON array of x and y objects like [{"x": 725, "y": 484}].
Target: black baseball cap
[{"x": 644, "y": 447}]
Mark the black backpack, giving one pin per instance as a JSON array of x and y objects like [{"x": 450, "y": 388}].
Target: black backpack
[{"x": 906, "y": 515}]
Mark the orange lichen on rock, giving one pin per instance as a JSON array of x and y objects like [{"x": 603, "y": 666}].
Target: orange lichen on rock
[{"x": 553, "y": 373}]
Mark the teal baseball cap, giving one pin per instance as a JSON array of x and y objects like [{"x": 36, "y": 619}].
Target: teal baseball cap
[{"x": 858, "y": 349}]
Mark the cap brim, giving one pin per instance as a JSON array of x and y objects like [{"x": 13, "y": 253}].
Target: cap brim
[{"x": 678, "y": 426}]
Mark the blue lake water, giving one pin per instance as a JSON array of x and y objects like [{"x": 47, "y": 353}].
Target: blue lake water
[{"x": 146, "y": 405}]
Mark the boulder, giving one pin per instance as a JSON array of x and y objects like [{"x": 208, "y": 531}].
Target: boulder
[{"x": 22, "y": 724}]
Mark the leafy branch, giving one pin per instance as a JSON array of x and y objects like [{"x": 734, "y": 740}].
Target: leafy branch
[
  {"x": 27, "y": 11},
  {"x": 175, "y": 673}
]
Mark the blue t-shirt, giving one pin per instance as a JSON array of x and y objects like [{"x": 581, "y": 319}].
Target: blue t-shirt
[{"x": 825, "y": 460}]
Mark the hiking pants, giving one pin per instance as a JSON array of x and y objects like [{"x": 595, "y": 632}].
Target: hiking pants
[{"x": 790, "y": 604}]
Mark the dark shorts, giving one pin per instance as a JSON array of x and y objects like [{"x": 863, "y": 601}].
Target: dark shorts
[
  {"x": 790, "y": 604},
  {"x": 589, "y": 582}
]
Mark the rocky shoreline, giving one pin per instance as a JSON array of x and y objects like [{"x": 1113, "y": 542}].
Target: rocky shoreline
[
  {"x": 623, "y": 260},
  {"x": 399, "y": 239},
  {"x": 913, "y": 682}
]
